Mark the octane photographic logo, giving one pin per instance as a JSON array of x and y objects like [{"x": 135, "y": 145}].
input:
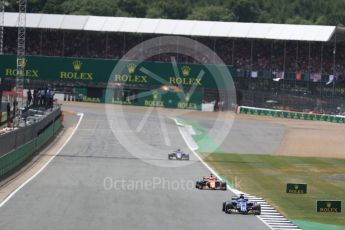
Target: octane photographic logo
[
  {"x": 150, "y": 132},
  {"x": 150, "y": 184}
]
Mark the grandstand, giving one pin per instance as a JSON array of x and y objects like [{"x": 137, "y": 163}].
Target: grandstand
[{"x": 295, "y": 67}]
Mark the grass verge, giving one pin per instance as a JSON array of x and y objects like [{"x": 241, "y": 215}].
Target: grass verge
[{"x": 266, "y": 176}]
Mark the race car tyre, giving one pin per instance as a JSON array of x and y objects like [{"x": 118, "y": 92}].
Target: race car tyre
[
  {"x": 208, "y": 184},
  {"x": 227, "y": 208},
  {"x": 224, "y": 206},
  {"x": 228, "y": 211},
  {"x": 258, "y": 211}
]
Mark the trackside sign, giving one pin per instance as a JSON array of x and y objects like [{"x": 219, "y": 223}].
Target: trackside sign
[
  {"x": 328, "y": 205},
  {"x": 296, "y": 188}
]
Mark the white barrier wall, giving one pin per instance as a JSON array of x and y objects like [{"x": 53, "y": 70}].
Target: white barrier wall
[{"x": 207, "y": 107}]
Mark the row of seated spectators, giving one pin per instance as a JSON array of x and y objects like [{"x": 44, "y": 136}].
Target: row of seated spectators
[{"x": 290, "y": 56}]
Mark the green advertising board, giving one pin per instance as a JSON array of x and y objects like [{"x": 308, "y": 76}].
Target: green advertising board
[
  {"x": 146, "y": 73},
  {"x": 155, "y": 98},
  {"x": 112, "y": 74},
  {"x": 159, "y": 98},
  {"x": 328, "y": 206},
  {"x": 296, "y": 188},
  {"x": 292, "y": 115}
]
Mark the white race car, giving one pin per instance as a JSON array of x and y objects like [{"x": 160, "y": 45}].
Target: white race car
[{"x": 178, "y": 155}]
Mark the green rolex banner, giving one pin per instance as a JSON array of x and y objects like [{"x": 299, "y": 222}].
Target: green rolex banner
[
  {"x": 296, "y": 188},
  {"x": 158, "y": 98},
  {"x": 328, "y": 206},
  {"x": 86, "y": 70}
]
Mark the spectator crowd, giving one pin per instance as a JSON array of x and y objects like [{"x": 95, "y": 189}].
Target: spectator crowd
[
  {"x": 258, "y": 55},
  {"x": 303, "y": 64}
]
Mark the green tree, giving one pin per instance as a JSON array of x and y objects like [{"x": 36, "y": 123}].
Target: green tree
[
  {"x": 136, "y": 8},
  {"x": 169, "y": 9},
  {"x": 298, "y": 20},
  {"x": 337, "y": 19},
  {"x": 36, "y": 5},
  {"x": 324, "y": 12},
  {"x": 53, "y": 7},
  {"x": 212, "y": 13},
  {"x": 245, "y": 10},
  {"x": 90, "y": 7}
]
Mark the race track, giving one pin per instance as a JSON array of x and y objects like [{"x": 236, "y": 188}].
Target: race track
[{"x": 89, "y": 186}]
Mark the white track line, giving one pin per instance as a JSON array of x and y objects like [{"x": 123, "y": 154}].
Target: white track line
[
  {"x": 45, "y": 165},
  {"x": 164, "y": 129}
]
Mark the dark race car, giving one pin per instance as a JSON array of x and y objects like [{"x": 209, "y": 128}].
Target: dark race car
[
  {"x": 240, "y": 204},
  {"x": 210, "y": 183},
  {"x": 178, "y": 155}
]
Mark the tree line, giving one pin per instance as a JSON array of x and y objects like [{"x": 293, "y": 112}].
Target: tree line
[{"x": 320, "y": 12}]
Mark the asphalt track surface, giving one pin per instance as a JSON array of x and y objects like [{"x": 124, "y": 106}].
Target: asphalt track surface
[{"x": 89, "y": 186}]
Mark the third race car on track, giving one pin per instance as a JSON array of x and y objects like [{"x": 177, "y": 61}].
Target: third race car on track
[
  {"x": 178, "y": 155},
  {"x": 210, "y": 183}
]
